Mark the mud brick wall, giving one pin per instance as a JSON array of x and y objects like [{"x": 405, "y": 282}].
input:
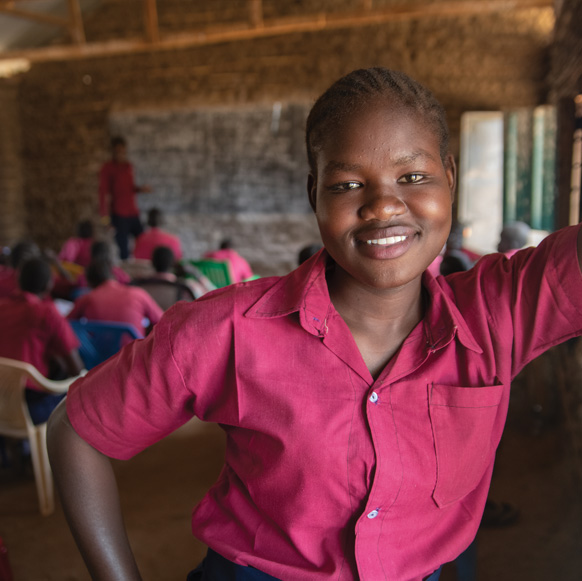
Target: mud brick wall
[
  {"x": 12, "y": 218},
  {"x": 69, "y": 109}
]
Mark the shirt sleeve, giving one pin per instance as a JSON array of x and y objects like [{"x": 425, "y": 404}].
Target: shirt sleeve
[
  {"x": 62, "y": 339},
  {"x": 535, "y": 297},
  {"x": 155, "y": 385}
]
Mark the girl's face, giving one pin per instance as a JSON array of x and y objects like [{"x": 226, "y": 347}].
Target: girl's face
[{"x": 382, "y": 196}]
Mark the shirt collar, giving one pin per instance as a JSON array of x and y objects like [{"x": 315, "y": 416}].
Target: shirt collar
[{"x": 304, "y": 290}]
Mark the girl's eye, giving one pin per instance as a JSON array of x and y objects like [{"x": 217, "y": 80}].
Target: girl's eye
[
  {"x": 411, "y": 178},
  {"x": 345, "y": 186}
]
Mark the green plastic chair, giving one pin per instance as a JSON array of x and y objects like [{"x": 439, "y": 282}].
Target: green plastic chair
[{"x": 217, "y": 271}]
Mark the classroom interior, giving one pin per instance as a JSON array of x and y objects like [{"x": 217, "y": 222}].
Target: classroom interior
[{"x": 212, "y": 99}]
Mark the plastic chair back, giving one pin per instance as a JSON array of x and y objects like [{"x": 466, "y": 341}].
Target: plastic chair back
[
  {"x": 217, "y": 271},
  {"x": 102, "y": 339},
  {"x": 15, "y": 421}
]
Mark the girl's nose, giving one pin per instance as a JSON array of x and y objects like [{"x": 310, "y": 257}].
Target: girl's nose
[{"x": 382, "y": 205}]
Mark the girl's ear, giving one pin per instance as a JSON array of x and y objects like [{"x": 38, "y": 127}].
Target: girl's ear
[
  {"x": 451, "y": 171},
  {"x": 311, "y": 191}
]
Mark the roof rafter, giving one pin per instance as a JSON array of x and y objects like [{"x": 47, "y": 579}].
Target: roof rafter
[{"x": 256, "y": 27}]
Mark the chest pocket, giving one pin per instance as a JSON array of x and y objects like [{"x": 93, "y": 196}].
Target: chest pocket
[{"x": 463, "y": 420}]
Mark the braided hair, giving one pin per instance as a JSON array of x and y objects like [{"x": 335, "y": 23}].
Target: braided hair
[{"x": 362, "y": 86}]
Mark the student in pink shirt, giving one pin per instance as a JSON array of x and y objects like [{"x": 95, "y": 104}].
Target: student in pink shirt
[
  {"x": 33, "y": 331},
  {"x": 112, "y": 301},
  {"x": 19, "y": 254},
  {"x": 78, "y": 248},
  {"x": 363, "y": 398},
  {"x": 239, "y": 268},
  {"x": 147, "y": 242}
]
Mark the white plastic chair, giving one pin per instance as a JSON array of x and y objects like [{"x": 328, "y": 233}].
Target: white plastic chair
[{"x": 15, "y": 421}]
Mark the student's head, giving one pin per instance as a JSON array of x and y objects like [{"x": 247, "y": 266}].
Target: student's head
[
  {"x": 381, "y": 179},
  {"x": 102, "y": 249},
  {"x": 118, "y": 148},
  {"x": 513, "y": 236},
  {"x": 85, "y": 229},
  {"x": 163, "y": 259},
  {"x": 21, "y": 252},
  {"x": 456, "y": 237},
  {"x": 455, "y": 261},
  {"x": 307, "y": 252},
  {"x": 98, "y": 271},
  {"x": 35, "y": 276},
  {"x": 155, "y": 218},
  {"x": 226, "y": 244}
]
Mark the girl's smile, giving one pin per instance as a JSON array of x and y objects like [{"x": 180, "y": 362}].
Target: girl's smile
[{"x": 382, "y": 195}]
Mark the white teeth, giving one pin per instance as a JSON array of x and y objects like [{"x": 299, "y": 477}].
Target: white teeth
[{"x": 387, "y": 241}]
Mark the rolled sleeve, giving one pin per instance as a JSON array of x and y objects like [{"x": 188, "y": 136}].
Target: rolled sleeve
[{"x": 134, "y": 399}]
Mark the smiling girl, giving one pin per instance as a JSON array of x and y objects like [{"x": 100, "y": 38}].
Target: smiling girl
[{"x": 362, "y": 398}]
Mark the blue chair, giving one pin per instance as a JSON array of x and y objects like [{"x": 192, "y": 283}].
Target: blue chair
[{"x": 102, "y": 339}]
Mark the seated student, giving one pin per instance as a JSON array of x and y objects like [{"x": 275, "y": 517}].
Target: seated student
[
  {"x": 19, "y": 254},
  {"x": 239, "y": 267},
  {"x": 363, "y": 399},
  {"x": 78, "y": 248},
  {"x": 100, "y": 249},
  {"x": 112, "y": 301},
  {"x": 33, "y": 331},
  {"x": 307, "y": 252},
  {"x": 163, "y": 285},
  {"x": 147, "y": 242},
  {"x": 514, "y": 236}
]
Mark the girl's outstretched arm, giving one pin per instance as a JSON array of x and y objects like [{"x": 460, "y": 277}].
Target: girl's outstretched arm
[{"x": 88, "y": 490}]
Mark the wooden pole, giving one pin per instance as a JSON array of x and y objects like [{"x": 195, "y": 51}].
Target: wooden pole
[
  {"x": 76, "y": 22},
  {"x": 256, "y": 13},
  {"x": 151, "y": 21}
]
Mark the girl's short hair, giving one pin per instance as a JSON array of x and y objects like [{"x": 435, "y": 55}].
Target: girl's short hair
[{"x": 349, "y": 93}]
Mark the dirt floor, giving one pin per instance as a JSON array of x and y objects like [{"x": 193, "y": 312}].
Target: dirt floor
[{"x": 534, "y": 471}]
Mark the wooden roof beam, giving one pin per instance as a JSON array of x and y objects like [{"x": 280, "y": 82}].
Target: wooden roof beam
[
  {"x": 279, "y": 27},
  {"x": 9, "y": 9}
]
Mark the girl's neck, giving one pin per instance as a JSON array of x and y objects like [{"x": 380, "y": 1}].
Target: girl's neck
[{"x": 379, "y": 320}]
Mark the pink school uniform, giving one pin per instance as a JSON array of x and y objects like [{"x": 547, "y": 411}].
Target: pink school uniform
[
  {"x": 34, "y": 331},
  {"x": 112, "y": 301},
  {"x": 239, "y": 267},
  {"x": 330, "y": 474},
  {"x": 77, "y": 250},
  {"x": 147, "y": 242}
]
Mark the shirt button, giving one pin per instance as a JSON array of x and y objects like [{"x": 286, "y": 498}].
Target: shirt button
[
  {"x": 374, "y": 397},
  {"x": 373, "y": 514}
]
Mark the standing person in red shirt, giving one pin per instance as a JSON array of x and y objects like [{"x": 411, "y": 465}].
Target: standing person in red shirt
[
  {"x": 35, "y": 332},
  {"x": 112, "y": 301},
  {"x": 117, "y": 189},
  {"x": 147, "y": 242}
]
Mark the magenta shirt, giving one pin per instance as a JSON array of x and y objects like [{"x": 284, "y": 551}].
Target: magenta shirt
[
  {"x": 32, "y": 330},
  {"x": 239, "y": 267},
  {"x": 117, "y": 189},
  {"x": 77, "y": 250},
  {"x": 113, "y": 301},
  {"x": 330, "y": 474},
  {"x": 147, "y": 242}
]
